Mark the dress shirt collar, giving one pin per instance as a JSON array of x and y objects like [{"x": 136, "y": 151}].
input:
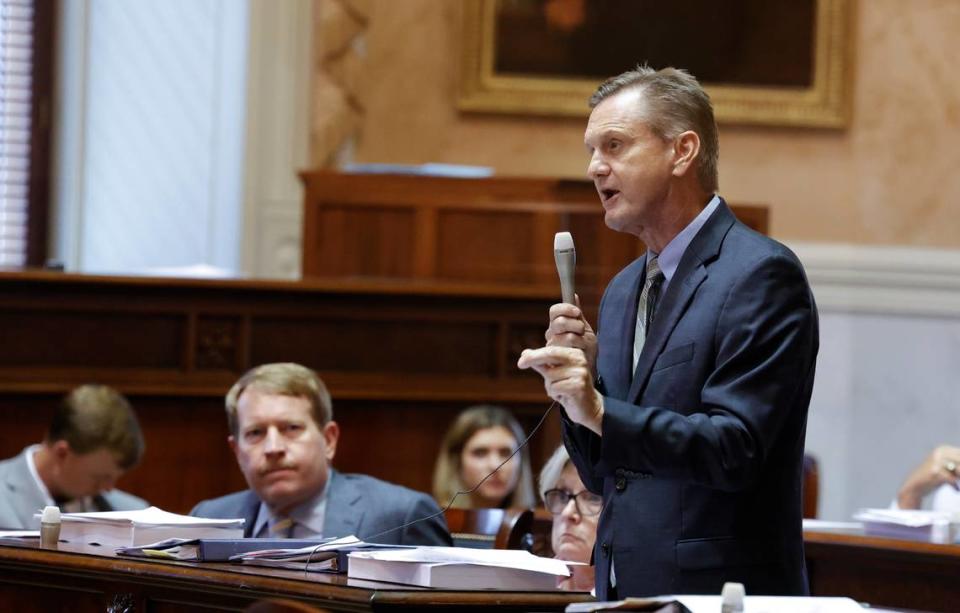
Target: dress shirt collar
[
  {"x": 669, "y": 258},
  {"x": 32, "y": 466},
  {"x": 309, "y": 516}
]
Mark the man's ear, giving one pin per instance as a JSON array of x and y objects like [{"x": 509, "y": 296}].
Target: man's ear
[
  {"x": 232, "y": 441},
  {"x": 331, "y": 432},
  {"x": 61, "y": 450},
  {"x": 686, "y": 148}
]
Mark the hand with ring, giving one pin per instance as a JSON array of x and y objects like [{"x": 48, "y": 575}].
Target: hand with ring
[{"x": 941, "y": 467}]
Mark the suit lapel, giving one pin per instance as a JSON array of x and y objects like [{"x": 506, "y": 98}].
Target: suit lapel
[
  {"x": 691, "y": 272},
  {"x": 249, "y": 510},
  {"x": 671, "y": 307},
  {"x": 624, "y": 353},
  {"x": 344, "y": 514}
]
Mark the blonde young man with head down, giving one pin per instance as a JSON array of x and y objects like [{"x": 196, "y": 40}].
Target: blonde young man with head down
[
  {"x": 93, "y": 439},
  {"x": 282, "y": 432}
]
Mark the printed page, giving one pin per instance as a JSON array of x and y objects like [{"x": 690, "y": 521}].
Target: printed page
[
  {"x": 507, "y": 558},
  {"x": 151, "y": 516}
]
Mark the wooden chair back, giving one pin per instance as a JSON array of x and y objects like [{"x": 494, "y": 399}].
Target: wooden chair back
[
  {"x": 541, "y": 533},
  {"x": 489, "y": 528}
]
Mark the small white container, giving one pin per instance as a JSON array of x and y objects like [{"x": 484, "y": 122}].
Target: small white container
[{"x": 50, "y": 527}]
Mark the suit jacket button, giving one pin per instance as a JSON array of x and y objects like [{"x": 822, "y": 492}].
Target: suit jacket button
[
  {"x": 620, "y": 484},
  {"x": 605, "y": 547}
]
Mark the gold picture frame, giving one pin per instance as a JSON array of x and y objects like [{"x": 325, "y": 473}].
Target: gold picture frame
[{"x": 824, "y": 104}]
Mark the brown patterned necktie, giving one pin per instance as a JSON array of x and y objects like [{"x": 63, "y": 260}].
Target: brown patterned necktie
[{"x": 281, "y": 527}]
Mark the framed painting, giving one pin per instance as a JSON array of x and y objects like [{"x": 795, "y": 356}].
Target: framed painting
[{"x": 768, "y": 62}]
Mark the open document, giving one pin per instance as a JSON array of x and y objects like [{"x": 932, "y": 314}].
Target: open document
[
  {"x": 460, "y": 568},
  {"x": 132, "y": 528}
]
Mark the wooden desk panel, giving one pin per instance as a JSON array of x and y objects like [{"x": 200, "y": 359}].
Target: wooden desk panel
[
  {"x": 884, "y": 572},
  {"x": 401, "y": 360},
  {"x": 84, "y": 578}
]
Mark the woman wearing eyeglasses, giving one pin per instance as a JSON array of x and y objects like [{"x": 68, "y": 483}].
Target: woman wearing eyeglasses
[{"x": 575, "y": 513}]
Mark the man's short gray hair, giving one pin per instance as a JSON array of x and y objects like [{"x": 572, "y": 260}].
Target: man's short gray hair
[{"x": 675, "y": 103}]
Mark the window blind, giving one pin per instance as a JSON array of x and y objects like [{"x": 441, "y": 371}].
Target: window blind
[{"x": 16, "y": 88}]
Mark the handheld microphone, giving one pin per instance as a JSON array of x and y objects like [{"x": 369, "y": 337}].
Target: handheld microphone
[{"x": 566, "y": 257}]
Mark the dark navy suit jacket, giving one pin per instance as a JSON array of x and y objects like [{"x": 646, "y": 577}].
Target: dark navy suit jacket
[
  {"x": 700, "y": 460},
  {"x": 357, "y": 505}
]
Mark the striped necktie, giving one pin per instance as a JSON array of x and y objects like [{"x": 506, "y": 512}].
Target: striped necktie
[
  {"x": 281, "y": 527},
  {"x": 646, "y": 306}
]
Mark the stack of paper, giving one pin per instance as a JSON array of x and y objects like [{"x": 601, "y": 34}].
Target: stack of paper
[
  {"x": 460, "y": 568},
  {"x": 712, "y": 604},
  {"x": 133, "y": 528},
  {"x": 823, "y": 525},
  {"x": 328, "y": 556},
  {"x": 930, "y": 526},
  {"x": 19, "y": 537}
]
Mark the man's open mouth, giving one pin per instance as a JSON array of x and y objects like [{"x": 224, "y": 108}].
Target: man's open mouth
[{"x": 607, "y": 194}]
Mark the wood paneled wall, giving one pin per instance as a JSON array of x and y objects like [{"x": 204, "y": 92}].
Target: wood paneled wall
[
  {"x": 400, "y": 363},
  {"x": 421, "y": 293},
  {"x": 491, "y": 231}
]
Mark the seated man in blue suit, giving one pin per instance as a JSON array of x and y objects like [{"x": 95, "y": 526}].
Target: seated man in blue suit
[
  {"x": 94, "y": 437},
  {"x": 687, "y": 409},
  {"x": 282, "y": 431}
]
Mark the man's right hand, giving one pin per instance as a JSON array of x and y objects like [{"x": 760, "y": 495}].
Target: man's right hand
[{"x": 569, "y": 328}]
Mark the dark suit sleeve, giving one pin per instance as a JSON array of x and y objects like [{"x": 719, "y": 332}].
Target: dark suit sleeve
[
  {"x": 582, "y": 444},
  {"x": 584, "y": 449},
  {"x": 429, "y": 532},
  {"x": 764, "y": 344}
]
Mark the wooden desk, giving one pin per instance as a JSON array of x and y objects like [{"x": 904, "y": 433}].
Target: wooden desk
[
  {"x": 891, "y": 573},
  {"x": 84, "y": 578},
  {"x": 884, "y": 572}
]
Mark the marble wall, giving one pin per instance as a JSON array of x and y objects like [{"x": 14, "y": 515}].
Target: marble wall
[{"x": 886, "y": 390}]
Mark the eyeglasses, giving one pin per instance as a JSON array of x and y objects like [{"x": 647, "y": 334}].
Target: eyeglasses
[{"x": 587, "y": 503}]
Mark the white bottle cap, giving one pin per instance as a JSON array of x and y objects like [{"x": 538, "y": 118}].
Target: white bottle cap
[
  {"x": 51, "y": 515},
  {"x": 732, "y": 597}
]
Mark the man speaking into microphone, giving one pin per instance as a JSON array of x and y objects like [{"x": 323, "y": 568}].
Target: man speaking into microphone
[{"x": 687, "y": 409}]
